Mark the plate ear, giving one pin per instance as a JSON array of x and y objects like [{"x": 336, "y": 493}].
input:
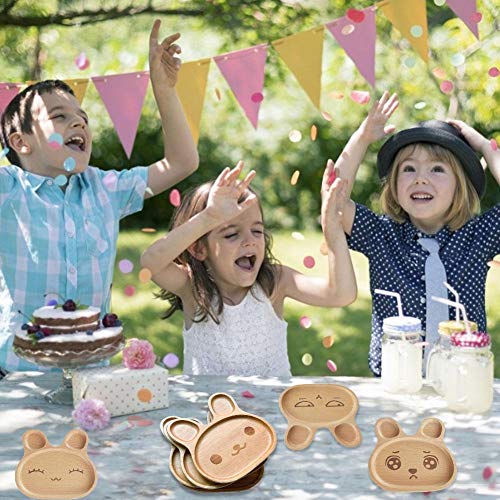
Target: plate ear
[
  {"x": 432, "y": 428},
  {"x": 298, "y": 437},
  {"x": 76, "y": 440},
  {"x": 34, "y": 440},
  {"x": 347, "y": 434},
  {"x": 221, "y": 405},
  {"x": 387, "y": 429},
  {"x": 183, "y": 431}
]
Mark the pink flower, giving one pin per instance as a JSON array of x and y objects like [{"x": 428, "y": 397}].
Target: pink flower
[
  {"x": 91, "y": 414},
  {"x": 139, "y": 354}
]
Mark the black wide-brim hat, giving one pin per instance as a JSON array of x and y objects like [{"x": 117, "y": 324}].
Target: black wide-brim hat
[{"x": 434, "y": 132}]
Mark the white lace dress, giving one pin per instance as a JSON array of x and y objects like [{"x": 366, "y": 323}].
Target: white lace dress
[{"x": 249, "y": 340}]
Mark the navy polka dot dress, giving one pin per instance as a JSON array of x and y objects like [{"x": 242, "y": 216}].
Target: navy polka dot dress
[{"x": 397, "y": 263}]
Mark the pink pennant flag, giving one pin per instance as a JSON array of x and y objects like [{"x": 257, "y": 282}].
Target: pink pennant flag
[
  {"x": 123, "y": 96},
  {"x": 466, "y": 10},
  {"x": 356, "y": 34},
  {"x": 244, "y": 73},
  {"x": 7, "y": 92}
]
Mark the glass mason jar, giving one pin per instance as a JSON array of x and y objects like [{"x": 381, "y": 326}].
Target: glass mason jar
[
  {"x": 436, "y": 361},
  {"x": 468, "y": 386},
  {"x": 402, "y": 354}
]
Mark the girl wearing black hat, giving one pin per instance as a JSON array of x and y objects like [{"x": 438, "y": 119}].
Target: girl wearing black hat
[{"x": 432, "y": 184}]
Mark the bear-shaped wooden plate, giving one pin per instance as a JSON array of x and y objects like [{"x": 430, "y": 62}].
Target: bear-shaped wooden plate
[
  {"x": 55, "y": 472},
  {"x": 309, "y": 407},
  {"x": 417, "y": 463},
  {"x": 228, "y": 448}
]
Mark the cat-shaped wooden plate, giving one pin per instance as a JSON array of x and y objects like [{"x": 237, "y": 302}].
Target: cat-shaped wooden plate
[
  {"x": 417, "y": 463},
  {"x": 55, "y": 472},
  {"x": 309, "y": 407},
  {"x": 228, "y": 448}
]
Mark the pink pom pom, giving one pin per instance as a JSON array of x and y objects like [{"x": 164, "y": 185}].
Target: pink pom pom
[
  {"x": 91, "y": 414},
  {"x": 138, "y": 355}
]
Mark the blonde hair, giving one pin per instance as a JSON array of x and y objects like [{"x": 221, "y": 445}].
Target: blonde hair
[{"x": 465, "y": 202}]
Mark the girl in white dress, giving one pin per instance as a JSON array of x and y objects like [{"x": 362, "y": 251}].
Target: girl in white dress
[{"x": 216, "y": 265}]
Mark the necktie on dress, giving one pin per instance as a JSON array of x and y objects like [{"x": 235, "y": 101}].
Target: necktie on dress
[{"x": 435, "y": 276}]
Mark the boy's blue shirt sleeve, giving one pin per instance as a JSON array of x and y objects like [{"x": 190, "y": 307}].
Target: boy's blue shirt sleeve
[
  {"x": 366, "y": 224},
  {"x": 490, "y": 221},
  {"x": 6, "y": 184}
]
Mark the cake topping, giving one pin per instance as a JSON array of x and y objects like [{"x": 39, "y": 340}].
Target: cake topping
[
  {"x": 110, "y": 320},
  {"x": 69, "y": 305}
]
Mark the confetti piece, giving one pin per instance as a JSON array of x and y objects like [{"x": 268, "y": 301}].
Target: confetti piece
[
  {"x": 295, "y": 177},
  {"x": 148, "y": 230},
  {"x": 61, "y": 180},
  {"x": 257, "y": 97},
  {"x": 247, "y": 394},
  {"x": 175, "y": 197},
  {"x": 420, "y": 105},
  {"x": 416, "y": 31},
  {"x": 494, "y": 72},
  {"x": 52, "y": 302},
  {"x": 149, "y": 191},
  {"x": 307, "y": 359},
  {"x": 457, "y": 59},
  {"x": 82, "y": 62},
  {"x": 476, "y": 17},
  {"x": 439, "y": 3},
  {"x": 336, "y": 95},
  {"x": 331, "y": 177},
  {"x": 355, "y": 15},
  {"x": 144, "y": 423},
  {"x": 69, "y": 164},
  {"x": 305, "y": 322},
  {"x": 295, "y": 136},
  {"x": 5, "y": 152},
  {"x": 348, "y": 29},
  {"x": 171, "y": 360},
  {"x": 487, "y": 473},
  {"x": 409, "y": 61},
  {"x": 439, "y": 73},
  {"x": 446, "y": 87},
  {"x": 331, "y": 365},
  {"x": 323, "y": 248},
  {"x": 133, "y": 418},
  {"x": 309, "y": 262},
  {"x": 55, "y": 141},
  {"x": 314, "y": 132},
  {"x": 125, "y": 266},
  {"x": 494, "y": 144},
  {"x": 327, "y": 116},
  {"x": 297, "y": 236},
  {"x": 145, "y": 275},
  {"x": 218, "y": 95},
  {"x": 129, "y": 290},
  {"x": 144, "y": 395},
  {"x": 328, "y": 341},
  {"x": 360, "y": 96}
]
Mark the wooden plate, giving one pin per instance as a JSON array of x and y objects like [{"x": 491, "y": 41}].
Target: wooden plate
[
  {"x": 228, "y": 448},
  {"x": 309, "y": 407},
  {"x": 55, "y": 472},
  {"x": 417, "y": 463}
]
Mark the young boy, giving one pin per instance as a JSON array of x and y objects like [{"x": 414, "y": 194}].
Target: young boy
[{"x": 59, "y": 217}]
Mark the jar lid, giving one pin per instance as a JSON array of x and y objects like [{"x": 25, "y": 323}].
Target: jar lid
[
  {"x": 453, "y": 326},
  {"x": 403, "y": 324},
  {"x": 473, "y": 339}
]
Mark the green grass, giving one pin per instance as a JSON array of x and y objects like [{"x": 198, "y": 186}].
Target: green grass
[{"x": 350, "y": 326}]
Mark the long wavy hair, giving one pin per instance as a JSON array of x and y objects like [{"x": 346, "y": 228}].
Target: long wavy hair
[{"x": 205, "y": 291}]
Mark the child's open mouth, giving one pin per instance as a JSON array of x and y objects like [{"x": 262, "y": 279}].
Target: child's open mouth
[
  {"x": 422, "y": 197},
  {"x": 76, "y": 142},
  {"x": 247, "y": 262}
]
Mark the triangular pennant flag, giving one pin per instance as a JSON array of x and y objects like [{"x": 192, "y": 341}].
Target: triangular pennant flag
[
  {"x": 466, "y": 10},
  {"x": 356, "y": 34},
  {"x": 191, "y": 86},
  {"x": 79, "y": 87},
  {"x": 123, "y": 96},
  {"x": 410, "y": 18},
  {"x": 244, "y": 73},
  {"x": 7, "y": 92},
  {"x": 303, "y": 54}
]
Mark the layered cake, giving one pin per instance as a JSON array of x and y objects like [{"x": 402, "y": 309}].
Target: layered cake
[{"x": 68, "y": 331}]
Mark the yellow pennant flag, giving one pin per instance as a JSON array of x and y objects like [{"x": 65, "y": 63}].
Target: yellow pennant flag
[
  {"x": 303, "y": 54},
  {"x": 410, "y": 18},
  {"x": 191, "y": 86},
  {"x": 79, "y": 87}
]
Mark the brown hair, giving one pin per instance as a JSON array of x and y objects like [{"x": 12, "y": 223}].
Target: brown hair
[
  {"x": 465, "y": 202},
  {"x": 204, "y": 288}
]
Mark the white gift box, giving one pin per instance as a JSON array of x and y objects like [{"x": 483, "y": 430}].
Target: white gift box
[{"x": 122, "y": 390}]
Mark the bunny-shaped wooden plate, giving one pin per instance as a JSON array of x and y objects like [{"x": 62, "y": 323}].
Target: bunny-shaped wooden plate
[
  {"x": 309, "y": 407},
  {"x": 417, "y": 463}
]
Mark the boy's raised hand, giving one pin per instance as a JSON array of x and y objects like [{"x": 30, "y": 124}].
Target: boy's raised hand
[
  {"x": 476, "y": 140},
  {"x": 374, "y": 125},
  {"x": 222, "y": 203},
  {"x": 163, "y": 65}
]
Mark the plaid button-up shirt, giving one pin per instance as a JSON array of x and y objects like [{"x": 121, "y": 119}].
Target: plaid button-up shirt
[{"x": 59, "y": 242}]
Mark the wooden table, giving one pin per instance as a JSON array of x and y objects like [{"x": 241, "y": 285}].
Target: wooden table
[{"x": 132, "y": 460}]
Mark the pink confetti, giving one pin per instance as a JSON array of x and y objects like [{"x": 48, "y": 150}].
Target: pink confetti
[
  {"x": 134, "y": 417},
  {"x": 327, "y": 116},
  {"x": 446, "y": 87},
  {"x": 331, "y": 177},
  {"x": 129, "y": 290},
  {"x": 360, "y": 96},
  {"x": 331, "y": 365},
  {"x": 143, "y": 423},
  {"x": 309, "y": 262},
  {"x": 175, "y": 197},
  {"x": 487, "y": 473},
  {"x": 305, "y": 322},
  {"x": 247, "y": 394},
  {"x": 494, "y": 72},
  {"x": 257, "y": 97},
  {"x": 476, "y": 17},
  {"x": 82, "y": 62},
  {"x": 55, "y": 145},
  {"x": 125, "y": 266},
  {"x": 439, "y": 73},
  {"x": 356, "y": 16},
  {"x": 493, "y": 144}
]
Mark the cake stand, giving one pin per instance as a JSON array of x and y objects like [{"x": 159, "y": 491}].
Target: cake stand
[{"x": 67, "y": 361}]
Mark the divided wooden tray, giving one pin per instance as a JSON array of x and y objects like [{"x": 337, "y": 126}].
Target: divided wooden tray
[
  {"x": 417, "y": 463},
  {"x": 309, "y": 407}
]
